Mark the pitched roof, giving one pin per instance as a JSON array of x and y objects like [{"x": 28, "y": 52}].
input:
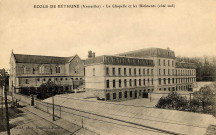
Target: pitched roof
[
  {"x": 38, "y": 59},
  {"x": 119, "y": 60},
  {"x": 158, "y": 52}
]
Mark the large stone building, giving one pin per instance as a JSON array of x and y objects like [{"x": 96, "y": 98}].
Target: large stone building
[
  {"x": 135, "y": 74},
  {"x": 28, "y": 71}
]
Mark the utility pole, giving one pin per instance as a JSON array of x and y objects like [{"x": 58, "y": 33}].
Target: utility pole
[
  {"x": 6, "y": 104},
  {"x": 53, "y": 103},
  {"x": 1, "y": 81}
]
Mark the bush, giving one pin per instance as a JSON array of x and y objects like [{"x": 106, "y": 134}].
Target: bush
[{"x": 173, "y": 101}]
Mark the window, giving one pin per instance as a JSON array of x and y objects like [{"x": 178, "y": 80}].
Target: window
[
  {"x": 164, "y": 62},
  {"x": 56, "y": 79},
  {"x": 125, "y": 94},
  {"x": 113, "y": 70},
  {"x": 119, "y": 82},
  {"x": 168, "y": 63},
  {"x": 143, "y": 71},
  {"x": 44, "y": 79},
  {"x": 164, "y": 89},
  {"x": 114, "y": 95},
  {"x": 152, "y": 81},
  {"x": 144, "y": 82},
  {"x": 58, "y": 69},
  {"x": 41, "y": 69},
  {"x": 159, "y": 62},
  {"x": 33, "y": 71},
  {"x": 164, "y": 71},
  {"x": 159, "y": 71},
  {"x": 49, "y": 79},
  {"x": 120, "y": 95},
  {"x": 139, "y": 71},
  {"x": 107, "y": 96},
  {"x": 147, "y": 71},
  {"x": 159, "y": 81},
  {"x": 24, "y": 70},
  {"x": 173, "y": 63},
  {"x": 119, "y": 71},
  {"x": 152, "y": 72},
  {"x": 107, "y": 71},
  {"x": 131, "y": 94},
  {"x": 125, "y": 82},
  {"x": 113, "y": 83},
  {"x": 38, "y": 79},
  {"x": 148, "y": 82},
  {"x": 93, "y": 71},
  {"x": 51, "y": 71},
  {"x": 125, "y": 71},
  {"x": 139, "y": 82},
  {"x": 168, "y": 71},
  {"x": 168, "y": 80},
  {"x": 61, "y": 79},
  {"x": 164, "y": 80},
  {"x": 140, "y": 92},
  {"x": 27, "y": 81},
  {"x": 130, "y": 82},
  {"x": 134, "y": 71},
  {"x": 129, "y": 71},
  {"x": 107, "y": 83},
  {"x": 135, "y": 84},
  {"x": 173, "y": 80}
]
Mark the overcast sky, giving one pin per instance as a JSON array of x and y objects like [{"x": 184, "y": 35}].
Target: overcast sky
[{"x": 189, "y": 29}]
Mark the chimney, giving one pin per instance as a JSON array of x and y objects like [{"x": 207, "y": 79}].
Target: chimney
[
  {"x": 93, "y": 54},
  {"x": 89, "y": 54}
]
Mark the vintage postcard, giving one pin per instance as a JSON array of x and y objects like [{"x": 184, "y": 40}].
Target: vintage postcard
[{"x": 108, "y": 67}]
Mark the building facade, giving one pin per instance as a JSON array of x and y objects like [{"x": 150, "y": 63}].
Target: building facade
[
  {"x": 28, "y": 71},
  {"x": 119, "y": 78},
  {"x": 135, "y": 74}
]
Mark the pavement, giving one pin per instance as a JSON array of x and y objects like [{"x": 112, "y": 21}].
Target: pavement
[{"x": 34, "y": 121}]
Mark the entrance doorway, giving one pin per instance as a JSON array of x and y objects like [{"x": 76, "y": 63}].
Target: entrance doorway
[
  {"x": 135, "y": 94},
  {"x": 145, "y": 95}
]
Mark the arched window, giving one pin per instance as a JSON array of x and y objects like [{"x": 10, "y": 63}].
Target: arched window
[
  {"x": 58, "y": 69},
  {"x": 24, "y": 69},
  {"x": 41, "y": 69}
]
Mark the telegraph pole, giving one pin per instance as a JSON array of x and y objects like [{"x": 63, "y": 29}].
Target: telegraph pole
[
  {"x": 2, "y": 94},
  {"x": 53, "y": 103},
  {"x": 6, "y": 104},
  {"x": 2, "y": 79}
]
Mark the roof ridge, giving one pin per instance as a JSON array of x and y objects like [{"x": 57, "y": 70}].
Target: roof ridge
[{"x": 43, "y": 55}]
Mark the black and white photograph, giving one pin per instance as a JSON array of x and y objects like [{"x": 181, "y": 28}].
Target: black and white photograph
[{"x": 108, "y": 67}]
